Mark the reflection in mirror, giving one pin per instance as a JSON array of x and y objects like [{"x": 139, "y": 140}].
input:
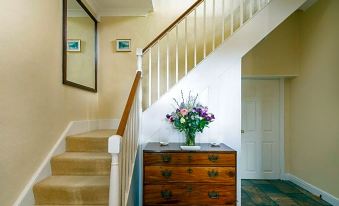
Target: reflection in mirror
[{"x": 79, "y": 59}]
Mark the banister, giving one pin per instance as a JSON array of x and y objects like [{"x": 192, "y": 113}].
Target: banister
[
  {"x": 170, "y": 27},
  {"x": 130, "y": 100}
]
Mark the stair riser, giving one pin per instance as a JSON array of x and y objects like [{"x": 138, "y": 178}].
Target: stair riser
[
  {"x": 71, "y": 196},
  {"x": 86, "y": 145},
  {"x": 81, "y": 167}
]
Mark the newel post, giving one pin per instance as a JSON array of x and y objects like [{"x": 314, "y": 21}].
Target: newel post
[
  {"x": 139, "y": 59},
  {"x": 114, "y": 186}
]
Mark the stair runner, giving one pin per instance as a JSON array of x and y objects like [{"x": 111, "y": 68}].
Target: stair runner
[{"x": 80, "y": 176}]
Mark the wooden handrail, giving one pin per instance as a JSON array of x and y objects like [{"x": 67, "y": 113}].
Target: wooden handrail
[
  {"x": 181, "y": 17},
  {"x": 129, "y": 104}
]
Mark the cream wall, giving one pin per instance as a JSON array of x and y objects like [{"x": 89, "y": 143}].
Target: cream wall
[
  {"x": 35, "y": 106},
  {"x": 278, "y": 54},
  {"x": 314, "y": 142}
]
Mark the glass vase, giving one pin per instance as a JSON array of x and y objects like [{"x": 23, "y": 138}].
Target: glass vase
[{"x": 190, "y": 139}]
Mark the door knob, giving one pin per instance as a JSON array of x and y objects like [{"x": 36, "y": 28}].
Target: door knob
[{"x": 242, "y": 131}]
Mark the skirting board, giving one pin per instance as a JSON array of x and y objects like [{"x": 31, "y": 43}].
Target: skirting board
[
  {"x": 26, "y": 197},
  {"x": 312, "y": 189}
]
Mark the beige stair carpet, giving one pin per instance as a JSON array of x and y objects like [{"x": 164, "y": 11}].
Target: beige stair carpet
[{"x": 80, "y": 176}]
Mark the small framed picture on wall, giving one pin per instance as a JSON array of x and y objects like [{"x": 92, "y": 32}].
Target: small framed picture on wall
[
  {"x": 123, "y": 45},
  {"x": 73, "y": 45}
]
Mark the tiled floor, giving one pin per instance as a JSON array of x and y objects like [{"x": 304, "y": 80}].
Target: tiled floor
[{"x": 276, "y": 192}]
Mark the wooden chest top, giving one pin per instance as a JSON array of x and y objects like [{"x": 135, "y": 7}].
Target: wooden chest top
[{"x": 175, "y": 147}]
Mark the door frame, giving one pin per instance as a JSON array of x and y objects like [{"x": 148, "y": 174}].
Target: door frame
[{"x": 281, "y": 117}]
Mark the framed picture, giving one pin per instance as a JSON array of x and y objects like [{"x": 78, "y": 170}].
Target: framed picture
[
  {"x": 73, "y": 45},
  {"x": 123, "y": 45}
]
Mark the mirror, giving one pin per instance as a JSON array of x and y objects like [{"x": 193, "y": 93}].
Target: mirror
[{"x": 79, "y": 46}]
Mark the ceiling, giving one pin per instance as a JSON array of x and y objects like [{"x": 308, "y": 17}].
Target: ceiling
[
  {"x": 121, "y": 7},
  {"x": 75, "y": 10}
]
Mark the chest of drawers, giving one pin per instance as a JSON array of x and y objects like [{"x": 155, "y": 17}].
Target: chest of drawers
[{"x": 176, "y": 177}]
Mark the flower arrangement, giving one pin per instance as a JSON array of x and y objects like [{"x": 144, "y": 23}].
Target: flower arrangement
[{"x": 190, "y": 117}]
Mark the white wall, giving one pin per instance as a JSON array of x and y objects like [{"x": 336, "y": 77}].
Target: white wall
[{"x": 223, "y": 97}]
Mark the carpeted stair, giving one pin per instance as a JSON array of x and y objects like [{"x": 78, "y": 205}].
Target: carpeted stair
[{"x": 80, "y": 176}]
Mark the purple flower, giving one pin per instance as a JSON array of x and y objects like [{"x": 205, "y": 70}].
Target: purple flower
[
  {"x": 212, "y": 116},
  {"x": 168, "y": 116},
  {"x": 208, "y": 118}
]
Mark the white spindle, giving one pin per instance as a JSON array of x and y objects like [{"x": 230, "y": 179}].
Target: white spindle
[
  {"x": 259, "y": 4},
  {"x": 223, "y": 22},
  {"x": 131, "y": 145},
  {"x": 124, "y": 169},
  {"x": 126, "y": 159},
  {"x": 232, "y": 15},
  {"x": 213, "y": 25},
  {"x": 186, "y": 47},
  {"x": 204, "y": 32},
  {"x": 195, "y": 37},
  {"x": 139, "y": 59},
  {"x": 241, "y": 12},
  {"x": 167, "y": 61},
  {"x": 158, "y": 73},
  {"x": 251, "y": 8},
  {"x": 150, "y": 77},
  {"x": 176, "y": 55}
]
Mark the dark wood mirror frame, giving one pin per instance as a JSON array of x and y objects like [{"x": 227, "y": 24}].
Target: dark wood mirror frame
[{"x": 64, "y": 48}]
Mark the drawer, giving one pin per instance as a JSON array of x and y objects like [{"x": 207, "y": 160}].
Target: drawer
[
  {"x": 225, "y": 175},
  {"x": 186, "y": 194},
  {"x": 219, "y": 159}
]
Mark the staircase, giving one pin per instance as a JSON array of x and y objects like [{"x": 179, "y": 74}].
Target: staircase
[
  {"x": 80, "y": 176},
  {"x": 206, "y": 60}
]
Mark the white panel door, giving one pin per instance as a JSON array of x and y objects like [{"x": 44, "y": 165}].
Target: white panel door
[{"x": 260, "y": 129}]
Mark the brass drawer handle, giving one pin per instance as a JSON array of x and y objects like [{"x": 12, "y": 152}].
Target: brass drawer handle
[
  {"x": 166, "y": 173},
  {"x": 213, "y": 158},
  {"x": 213, "y": 195},
  {"x": 189, "y": 158},
  {"x": 213, "y": 173},
  {"x": 189, "y": 170},
  {"x": 189, "y": 188},
  {"x": 166, "y": 194},
  {"x": 230, "y": 174},
  {"x": 166, "y": 158}
]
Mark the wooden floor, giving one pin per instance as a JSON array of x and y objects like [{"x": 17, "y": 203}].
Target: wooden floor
[{"x": 276, "y": 192}]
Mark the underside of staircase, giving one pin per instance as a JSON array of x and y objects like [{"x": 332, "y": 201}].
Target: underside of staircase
[{"x": 80, "y": 176}]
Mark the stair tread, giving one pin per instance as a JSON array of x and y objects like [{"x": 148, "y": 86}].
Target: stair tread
[
  {"x": 94, "y": 141},
  {"x": 74, "y": 181},
  {"x": 82, "y": 156},
  {"x": 81, "y": 164},
  {"x": 72, "y": 190},
  {"x": 95, "y": 134}
]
